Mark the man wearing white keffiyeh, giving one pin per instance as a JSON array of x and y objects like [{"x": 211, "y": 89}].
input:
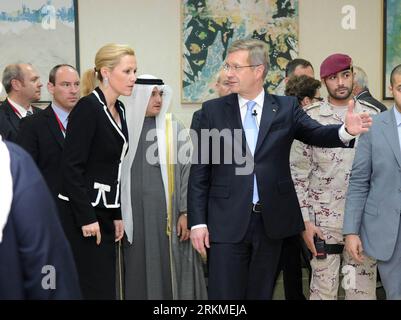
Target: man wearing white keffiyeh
[{"x": 159, "y": 260}]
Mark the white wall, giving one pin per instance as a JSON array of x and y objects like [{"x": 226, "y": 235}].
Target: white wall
[
  {"x": 152, "y": 28},
  {"x": 321, "y": 34}
]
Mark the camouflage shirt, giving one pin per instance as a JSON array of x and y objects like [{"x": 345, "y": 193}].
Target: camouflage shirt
[{"x": 321, "y": 175}]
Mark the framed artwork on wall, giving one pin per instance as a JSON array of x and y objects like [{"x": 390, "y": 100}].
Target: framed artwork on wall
[
  {"x": 209, "y": 27},
  {"x": 41, "y": 32},
  {"x": 391, "y": 42}
]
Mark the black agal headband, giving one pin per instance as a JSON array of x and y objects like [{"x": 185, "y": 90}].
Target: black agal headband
[{"x": 157, "y": 82}]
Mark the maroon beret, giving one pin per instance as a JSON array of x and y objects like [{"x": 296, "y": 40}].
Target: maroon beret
[{"x": 335, "y": 63}]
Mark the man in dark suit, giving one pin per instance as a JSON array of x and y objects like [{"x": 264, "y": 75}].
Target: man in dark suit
[
  {"x": 42, "y": 134},
  {"x": 36, "y": 261},
  {"x": 242, "y": 213},
  {"x": 22, "y": 84},
  {"x": 361, "y": 91}
]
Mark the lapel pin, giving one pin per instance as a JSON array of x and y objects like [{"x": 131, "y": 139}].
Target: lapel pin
[{"x": 274, "y": 110}]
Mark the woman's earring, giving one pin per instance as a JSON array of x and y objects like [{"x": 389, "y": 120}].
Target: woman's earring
[{"x": 106, "y": 82}]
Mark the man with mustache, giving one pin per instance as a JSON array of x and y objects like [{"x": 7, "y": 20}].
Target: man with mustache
[
  {"x": 321, "y": 177},
  {"x": 42, "y": 134},
  {"x": 22, "y": 84},
  {"x": 159, "y": 260}
]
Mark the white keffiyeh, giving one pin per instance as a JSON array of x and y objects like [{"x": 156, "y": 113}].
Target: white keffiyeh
[
  {"x": 136, "y": 106},
  {"x": 6, "y": 186}
]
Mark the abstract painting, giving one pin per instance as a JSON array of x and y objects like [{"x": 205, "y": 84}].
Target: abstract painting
[
  {"x": 41, "y": 32},
  {"x": 392, "y": 42},
  {"x": 209, "y": 27}
]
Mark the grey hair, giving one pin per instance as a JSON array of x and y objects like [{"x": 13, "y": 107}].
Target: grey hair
[
  {"x": 258, "y": 52},
  {"x": 11, "y": 72},
  {"x": 361, "y": 79}
]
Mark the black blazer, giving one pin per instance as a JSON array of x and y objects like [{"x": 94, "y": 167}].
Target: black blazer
[
  {"x": 195, "y": 123},
  {"x": 4, "y": 125},
  {"x": 366, "y": 96},
  {"x": 94, "y": 148},
  {"x": 42, "y": 137},
  {"x": 12, "y": 121},
  {"x": 221, "y": 198}
]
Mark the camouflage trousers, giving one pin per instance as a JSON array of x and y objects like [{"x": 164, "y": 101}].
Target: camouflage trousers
[{"x": 359, "y": 280}]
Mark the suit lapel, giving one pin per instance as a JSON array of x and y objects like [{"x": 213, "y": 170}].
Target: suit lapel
[
  {"x": 12, "y": 117},
  {"x": 54, "y": 126},
  {"x": 232, "y": 111},
  {"x": 233, "y": 117},
  {"x": 123, "y": 120},
  {"x": 390, "y": 131},
  {"x": 36, "y": 109},
  {"x": 270, "y": 108},
  {"x": 100, "y": 96}
]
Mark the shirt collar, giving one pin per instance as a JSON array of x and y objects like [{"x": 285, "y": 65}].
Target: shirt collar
[
  {"x": 61, "y": 113},
  {"x": 260, "y": 98},
  {"x": 22, "y": 111},
  {"x": 397, "y": 116}
]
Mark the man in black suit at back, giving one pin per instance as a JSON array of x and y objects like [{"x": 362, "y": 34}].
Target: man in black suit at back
[
  {"x": 361, "y": 91},
  {"x": 222, "y": 89},
  {"x": 42, "y": 134},
  {"x": 23, "y": 87},
  {"x": 242, "y": 213}
]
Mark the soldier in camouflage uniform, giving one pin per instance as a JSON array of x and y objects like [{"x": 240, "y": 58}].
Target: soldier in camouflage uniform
[{"x": 321, "y": 177}]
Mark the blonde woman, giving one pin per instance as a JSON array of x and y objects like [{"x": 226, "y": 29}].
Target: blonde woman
[{"x": 95, "y": 145}]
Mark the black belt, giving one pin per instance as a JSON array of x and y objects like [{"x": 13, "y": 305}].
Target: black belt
[
  {"x": 334, "y": 248},
  {"x": 256, "y": 207}
]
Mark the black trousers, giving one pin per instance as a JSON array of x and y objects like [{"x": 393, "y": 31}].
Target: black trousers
[
  {"x": 96, "y": 264},
  {"x": 244, "y": 270},
  {"x": 290, "y": 263}
]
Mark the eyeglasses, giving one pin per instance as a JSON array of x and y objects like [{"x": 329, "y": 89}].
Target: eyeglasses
[
  {"x": 318, "y": 99},
  {"x": 227, "y": 67}
]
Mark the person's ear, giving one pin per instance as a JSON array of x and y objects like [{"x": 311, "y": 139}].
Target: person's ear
[
  {"x": 306, "y": 101},
  {"x": 50, "y": 88},
  {"x": 105, "y": 72},
  {"x": 260, "y": 70},
  {"x": 16, "y": 84}
]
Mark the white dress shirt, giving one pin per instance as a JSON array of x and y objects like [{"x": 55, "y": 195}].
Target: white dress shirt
[
  {"x": 22, "y": 111},
  {"x": 61, "y": 114},
  {"x": 258, "y": 107}
]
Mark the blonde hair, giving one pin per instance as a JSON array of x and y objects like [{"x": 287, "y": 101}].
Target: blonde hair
[{"x": 107, "y": 56}]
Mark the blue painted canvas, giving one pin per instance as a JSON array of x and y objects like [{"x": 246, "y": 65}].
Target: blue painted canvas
[
  {"x": 209, "y": 27},
  {"x": 40, "y": 32}
]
